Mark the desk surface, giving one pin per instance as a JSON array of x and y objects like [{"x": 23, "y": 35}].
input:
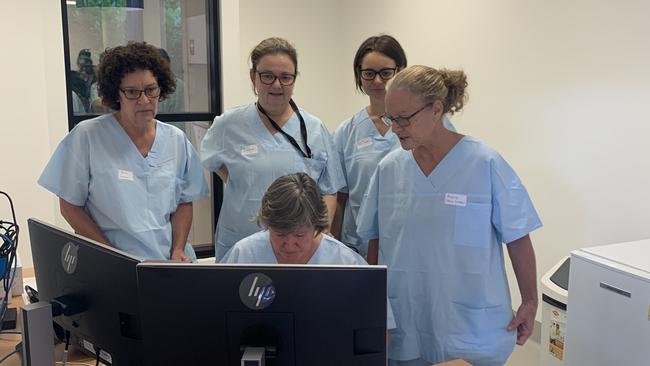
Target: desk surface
[{"x": 453, "y": 363}]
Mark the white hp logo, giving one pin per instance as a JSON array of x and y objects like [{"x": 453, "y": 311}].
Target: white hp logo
[
  {"x": 256, "y": 291},
  {"x": 69, "y": 257}
]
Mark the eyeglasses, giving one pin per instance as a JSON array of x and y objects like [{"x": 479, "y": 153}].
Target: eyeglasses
[
  {"x": 268, "y": 78},
  {"x": 386, "y": 73},
  {"x": 402, "y": 121},
  {"x": 133, "y": 94}
]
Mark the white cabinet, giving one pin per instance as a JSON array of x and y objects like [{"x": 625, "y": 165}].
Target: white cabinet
[{"x": 608, "y": 320}]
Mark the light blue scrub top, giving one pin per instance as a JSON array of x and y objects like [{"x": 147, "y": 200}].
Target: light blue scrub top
[
  {"x": 257, "y": 248},
  {"x": 360, "y": 147},
  {"x": 130, "y": 197},
  {"x": 440, "y": 237},
  {"x": 239, "y": 141}
]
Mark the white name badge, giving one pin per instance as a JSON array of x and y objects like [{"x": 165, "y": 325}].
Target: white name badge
[
  {"x": 249, "y": 150},
  {"x": 453, "y": 199},
  {"x": 124, "y": 175},
  {"x": 364, "y": 142}
]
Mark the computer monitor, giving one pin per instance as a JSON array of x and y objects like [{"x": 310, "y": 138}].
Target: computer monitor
[
  {"x": 93, "y": 290},
  {"x": 302, "y": 315}
]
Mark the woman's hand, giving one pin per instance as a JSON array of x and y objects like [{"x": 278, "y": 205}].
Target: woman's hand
[
  {"x": 179, "y": 255},
  {"x": 181, "y": 221},
  {"x": 522, "y": 257},
  {"x": 523, "y": 321}
]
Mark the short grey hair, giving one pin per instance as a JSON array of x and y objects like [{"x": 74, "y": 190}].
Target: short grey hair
[{"x": 292, "y": 202}]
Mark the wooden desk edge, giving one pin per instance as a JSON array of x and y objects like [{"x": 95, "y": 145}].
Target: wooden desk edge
[
  {"x": 453, "y": 363},
  {"x": 28, "y": 272}
]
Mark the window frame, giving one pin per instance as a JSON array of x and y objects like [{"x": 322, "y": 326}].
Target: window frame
[{"x": 214, "y": 72}]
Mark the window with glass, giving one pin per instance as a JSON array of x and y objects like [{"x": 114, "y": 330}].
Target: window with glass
[{"x": 185, "y": 32}]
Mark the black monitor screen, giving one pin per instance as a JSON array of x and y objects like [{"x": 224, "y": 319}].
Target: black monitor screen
[
  {"x": 301, "y": 315},
  {"x": 93, "y": 291}
]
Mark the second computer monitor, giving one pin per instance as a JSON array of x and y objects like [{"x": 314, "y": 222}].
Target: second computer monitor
[
  {"x": 92, "y": 289},
  {"x": 301, "y": 315}
]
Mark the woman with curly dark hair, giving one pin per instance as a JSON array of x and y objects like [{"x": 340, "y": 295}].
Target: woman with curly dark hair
[{"x": 126, "y": 179}]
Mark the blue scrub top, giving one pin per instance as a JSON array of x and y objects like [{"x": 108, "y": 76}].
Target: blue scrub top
[
  {"x": 130, "y": 197},
  {"x": 254, "y": 158},
  {"x": 257, "y": 248},
  {"x": 360, "y": 147},
  {"x": 440, "y": 236}
]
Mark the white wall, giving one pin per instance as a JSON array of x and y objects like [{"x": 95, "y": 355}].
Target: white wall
[
  {"x": 33, "y": 109},
  {"x": 558, "y": 88},
  {"x": 311, "y": 25}
]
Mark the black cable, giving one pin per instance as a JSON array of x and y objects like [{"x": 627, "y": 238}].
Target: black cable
[
  {"x": 9, "y": 235},
  {"x": 97, "y": 354},
  {"x": 65, "y": 350},
  {"x": 11, "y": 203},
  {"x": 18, "y": 349},
  {"x": 9, "y": 276},
  {"x": 9, "y": 355}
]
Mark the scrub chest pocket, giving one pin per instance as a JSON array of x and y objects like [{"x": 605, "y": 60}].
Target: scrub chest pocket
[
  {"x": 473, "y": 237},
  {"x": 162, "y": 186},
  {"x": 473, "y": 225}
]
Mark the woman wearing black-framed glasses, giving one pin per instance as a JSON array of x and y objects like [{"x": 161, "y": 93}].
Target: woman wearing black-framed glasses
[
  {"x": 365, "y": 138},
  {"x": 126, "y": 179},
  {"x": 252, "y": 145}
]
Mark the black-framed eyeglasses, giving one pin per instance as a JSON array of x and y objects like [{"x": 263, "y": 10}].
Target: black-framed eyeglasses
[
  {"x": 402, "y": 121},
  {"x": 386, "y": 73},
  {"x": 268, "y": 78},
  {"x": 133, "y": 94}
]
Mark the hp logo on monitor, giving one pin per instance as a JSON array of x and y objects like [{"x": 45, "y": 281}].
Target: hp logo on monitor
[
  {"x": 69, "y": 257},
  {"x": 256, "y": 291}
]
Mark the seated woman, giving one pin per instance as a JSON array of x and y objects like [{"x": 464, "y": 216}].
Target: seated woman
[{"x": 294, "y": 217}]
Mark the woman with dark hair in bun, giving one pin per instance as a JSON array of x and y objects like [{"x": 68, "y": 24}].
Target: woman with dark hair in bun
[{"x": 364, "y": 139}]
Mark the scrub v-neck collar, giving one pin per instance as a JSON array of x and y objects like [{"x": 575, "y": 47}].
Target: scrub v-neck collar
[
  {"x": 152, "y": 158},
  {"x": 445, "y": 168}
]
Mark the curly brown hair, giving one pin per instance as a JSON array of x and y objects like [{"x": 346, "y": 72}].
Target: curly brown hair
[{"x": 119, "y": 61}]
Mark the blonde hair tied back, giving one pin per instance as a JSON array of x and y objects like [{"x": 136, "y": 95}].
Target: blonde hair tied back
[{"x": 430, "y": 85}]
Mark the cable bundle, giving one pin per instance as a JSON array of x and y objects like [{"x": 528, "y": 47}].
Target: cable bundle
[{"x": 9, "y": 236}]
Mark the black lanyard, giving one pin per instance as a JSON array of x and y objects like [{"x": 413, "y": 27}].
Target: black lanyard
[{"x": 303, "y": 129}]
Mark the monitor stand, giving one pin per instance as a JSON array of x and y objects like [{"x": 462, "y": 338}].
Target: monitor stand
[
  {"x": 253, "y": 356},
  {"x": 38, "y": 334}
]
